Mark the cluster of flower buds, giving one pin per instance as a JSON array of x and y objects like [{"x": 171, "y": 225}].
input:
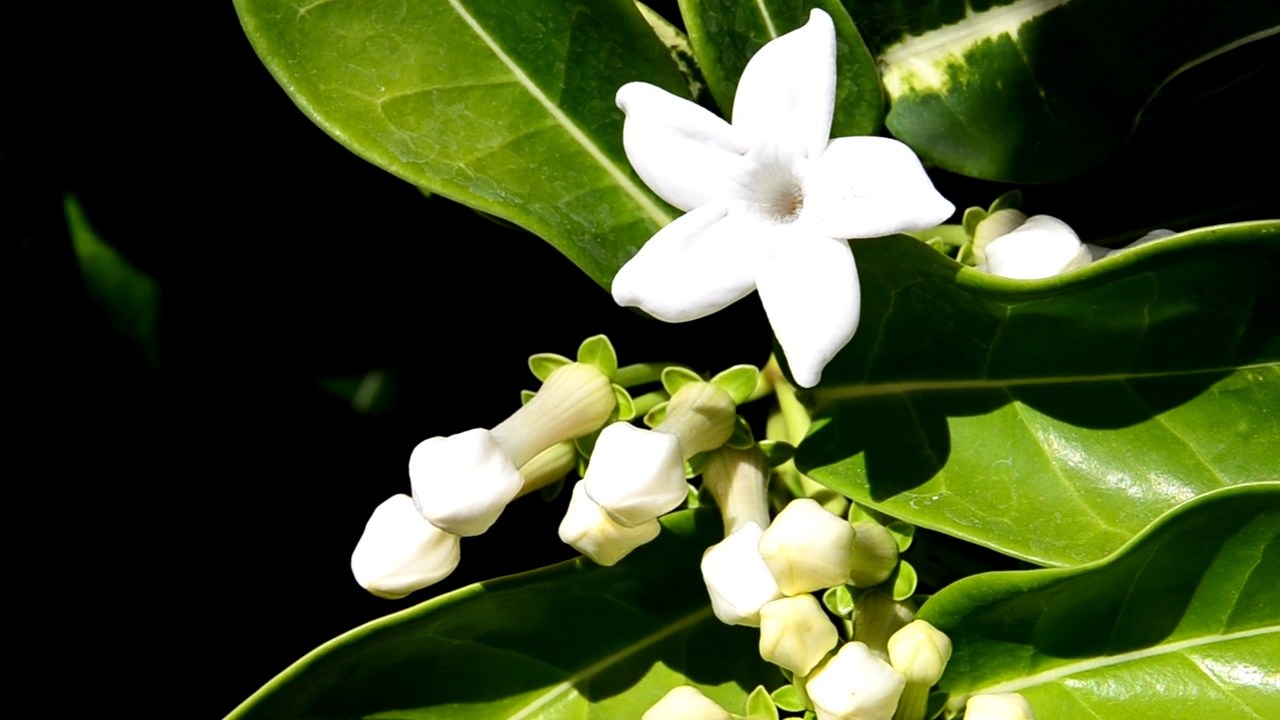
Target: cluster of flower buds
[{"x": 461, "y": 483}]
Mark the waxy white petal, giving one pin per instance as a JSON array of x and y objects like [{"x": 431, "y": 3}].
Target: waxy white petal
[
  {"x": 795, "y": 633},
  {"x": 807, "y": 548},
  {"x": 400, "y": 551},
  {"x": 809, "y": 287},
  {"x": 1042, "y": 247},
  {"x": 855, "y": 685},
  {"x": 686, "y": 703},
  {"x": 700, "y": 263},
  {"x": 998, "y": 706},
  {"x": 865, "y": 187},
  {"x": 787, "y": 92},
  {"x": 682, "y": 151},
  {"x": 461, "y": 483},
  {"x": 635, "y": 475},
  {"x": 737, "y": 579},
  {"x": 593, "y": 533}
]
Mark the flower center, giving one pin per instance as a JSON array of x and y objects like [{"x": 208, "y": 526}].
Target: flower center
[{"x": 778, "y": 197}]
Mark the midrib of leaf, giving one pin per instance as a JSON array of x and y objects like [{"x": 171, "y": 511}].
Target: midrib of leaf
[
  {"x": 556, "y": 692},
  {"x": 656, "y": 213},
  {"x": 768, "y": 20},
  {"x": 1062, "y": 671},
  {"x": 823, "y": 396}
]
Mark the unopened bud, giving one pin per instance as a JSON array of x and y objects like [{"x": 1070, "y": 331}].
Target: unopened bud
[
  {"x": 875, "y": 554},
  {"x": 807, "y": 548},
  {"x": 738, "y": 480},
  {"x": 737, "y": 579},
  {"x": 795, "y": 633},
  {"x": 575, "y": 400},
  {"x": 548, "y": 466},
  {"x": 400, "y": 551},
  {"x": 998, "y": 706},
  {"x": 635, "y": 475},
  {"x": 1041, "y": 247},
  {"x": 461, "y": 483},
  {"x": 593, "y": 533},
  {"x": 854, "y": 685},
  {"x": 701, "y": 415},
  {"x": 920, "y": 653},
  {"x": 876, "y": 617},
  {"x": 686, "y": 703}
]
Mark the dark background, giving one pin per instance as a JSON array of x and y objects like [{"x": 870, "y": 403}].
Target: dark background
[{"x": 179, "y": 536}]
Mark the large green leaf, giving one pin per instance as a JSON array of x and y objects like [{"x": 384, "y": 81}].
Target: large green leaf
[
  {"x": 726, "y": 34},
  {"x": 1039, "y": 90},
  {"x": 504, "y": 105},
  {"x": 1184, "y": 622},
  {"x": 1051, "y": 420},
  {"x": 570, "y": 641}
]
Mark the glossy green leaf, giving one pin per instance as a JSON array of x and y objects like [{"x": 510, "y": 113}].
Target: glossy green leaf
[
  {"x": 725, "y": 34},
  {"x": 677, "y": 43},
  {"x": 504, "y": 105},
  {"x": 1038, "y": 90},
  {"x": 572, "y": 640},
  {"x": 129, "y": 297},
  {"x": 1183, "y": 622},
  {"x": 1051, "y": 420}
]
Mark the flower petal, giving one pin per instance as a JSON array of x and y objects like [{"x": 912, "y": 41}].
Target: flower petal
[
  {"x": 787, "y": 92},
  {"x": 867, "y": 187},
  {"x": 1041, "y": 247},
  {"x": 683, "y": 152},
  {"x": 809, "y": 287},
  {"x": 400, "y": 551},
  {"x": 691, "y": 268}
]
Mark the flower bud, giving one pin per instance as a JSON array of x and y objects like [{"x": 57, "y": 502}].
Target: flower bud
[
  {"x": 1041, "y": 247},
  {"x": 461, "y": 483},
  {"x": 874, "y": 554},
  {"x": 876, "y": 617},
  {"x": 807, "y": 548},
  {"x": 854, "y": 685},
  {"x": 400, "y": 551},
  {"x": 795, "y": 633},
  {"x": 701, "y": 415},
  {"x": 549, "y": 466},
  {"x": 997, "y": 224},
  {"x": 920, "y": 652},
  {"x": 998, "y": 706},
  {"x": 575, "y": 400},
  {"x": 737, "y": 579},
  {"x": 686, "y": 703},
  {"x": 635, "y": 475},
  {"x": 593, "y": 533},
  {"x": 738, "y": 480}
]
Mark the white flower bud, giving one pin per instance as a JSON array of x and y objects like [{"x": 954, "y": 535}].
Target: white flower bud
[
  {"x": 461, "y": 483},
  {"x": 998, "y": 706},
  {"x": 593, "y": 533},
  {"x": 1041, "y": 247},
  {"x": 636, "y": 475},
  {"x": 701, "y": 415},
  {"x": 795, "y": 633},
  {"x": 875, "y": 554},
  {"x": 549, "y": 466},
  {"x": 807, "y": 548},
  {"x": 686, "y": 703},
  {"x": 400, "y": 551},
  {"x": 920, "y": 652},
  {"x": 738, "y": 480},
  {"x": 997, "y": 224},
  {"x": 855, "y": 685},
  {"x": 737, "y": 579},
  {"x": 575, "y": 400}
]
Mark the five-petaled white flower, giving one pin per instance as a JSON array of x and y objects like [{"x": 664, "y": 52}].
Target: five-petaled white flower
[{"x": 770, "y": 200}]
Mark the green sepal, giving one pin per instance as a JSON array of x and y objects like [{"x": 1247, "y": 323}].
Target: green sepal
[
  {"x": 760, "y": 705},
  {"x": 776, "y": 452},
  {"x": 587, "y": 443},
  {"x": 526, "y": 396},
  {"x": 965, "y": 255},
  {"x": 786, "y": 698},
  {"x": 543, "y": 364},
  {"x": 810, "y": 715},
  {"x": 696, "y": 464},
  {"x": 1011, "y": 200},
  {"x": 548, "y": 493},
  {"x": 739, "y": 381},
  {"x": 693, "y": 498},
  {"x": 625, "y": 409},
  {"x": 597, "y": 350},
  {"x": 973, "y": 216},
  {"x": 656, "y": 415},
  {"x": 741, "y": 439},
  {"x": 903, "y": 532},
  {"x": 903, "y": 581},
  {"x": 648, "y": 401},
  {"x": 839, "y": 601},
  {"x": 674, "y": 378}
]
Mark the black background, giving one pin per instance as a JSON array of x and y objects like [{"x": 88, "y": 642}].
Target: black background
[{"x": 177, "y": 537}]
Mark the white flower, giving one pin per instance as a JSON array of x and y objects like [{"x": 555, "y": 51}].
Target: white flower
[
  {"x": 770, "y": 200},
  {"x": 1041, "y": 247},
  {"x": 400, "y": 551},
  {"x": 807, "y": 548},
  {"x": 635, "y": 475},
  {"x": 855, "y": 685},
  {"x": 998, "y": 706},
  {"x": 593, "y": 533},
  {"x": 686, "y": 703},
  {"x": 795, "y": 633},
  {"x": 461, "y": 483},
  {"x": 737, "y": 579}
]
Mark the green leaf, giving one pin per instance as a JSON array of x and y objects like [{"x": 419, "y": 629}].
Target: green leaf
[
  {"x": 726, "y": 34},
  {"x": 370, "y": 394},
  {"x": 677, "y": 43},
  {"x": 1051, "y": 420},
  {"x": 571, "y": 640},
  {"x": 543, "y": 364},
  {"x": 760, "y": 705},
  {"x": 597, "y": 350},
  {"x": 739, "y": 381},
  {"x": 129, "y": 297},
  {"x": 1184, "y": 621},
  {"x": 1038, "y": 90},
  {"x": 503, "y": 105},
  {"x": 776, "y": 451}
]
